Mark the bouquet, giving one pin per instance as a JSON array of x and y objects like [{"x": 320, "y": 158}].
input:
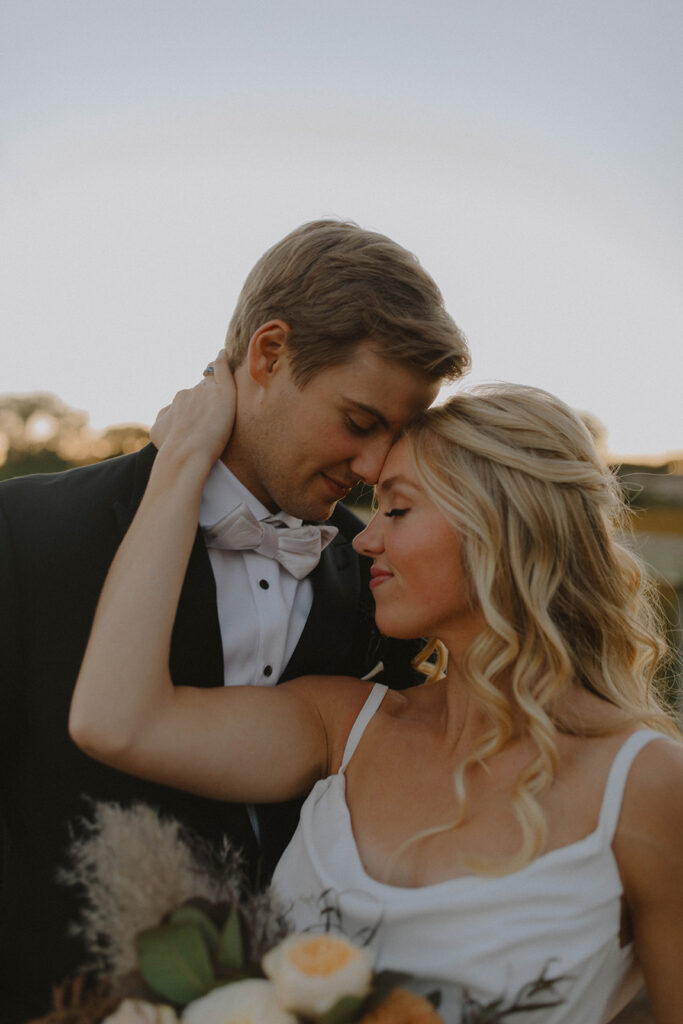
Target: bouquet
[{"x": 174, "y": 934}]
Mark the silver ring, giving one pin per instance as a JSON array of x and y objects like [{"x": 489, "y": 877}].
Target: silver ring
[{"x": 208, "y": 372}]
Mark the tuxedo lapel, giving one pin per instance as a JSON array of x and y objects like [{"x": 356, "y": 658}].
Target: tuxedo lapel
[
  {"x": 325, "y": 643},
  {"x": 196, "y": 646}
]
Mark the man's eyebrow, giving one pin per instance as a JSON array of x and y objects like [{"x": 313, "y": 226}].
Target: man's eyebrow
[
  {"x": 392, "y": 481},
  {"x": 371, "y": 411}
]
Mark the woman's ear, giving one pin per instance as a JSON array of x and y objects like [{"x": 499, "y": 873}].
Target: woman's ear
[{"x": 267, "y": 350}]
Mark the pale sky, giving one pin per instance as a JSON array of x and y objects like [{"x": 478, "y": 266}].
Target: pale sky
[{"x": 530, "y": 152}]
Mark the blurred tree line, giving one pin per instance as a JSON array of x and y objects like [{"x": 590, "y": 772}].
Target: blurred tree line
[{"x": 40, "y": 434}]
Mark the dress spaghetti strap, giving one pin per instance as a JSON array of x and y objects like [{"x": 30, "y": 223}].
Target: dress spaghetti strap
[
  {"x": 616, "y": 780},
  {"x": 375, "y": 698}
]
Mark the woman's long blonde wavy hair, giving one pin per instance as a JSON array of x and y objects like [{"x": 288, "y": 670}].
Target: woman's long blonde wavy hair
[{"x": 565, "y": 601}]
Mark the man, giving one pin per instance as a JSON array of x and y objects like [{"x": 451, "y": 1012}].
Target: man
[{"x": 338, "y": 339}]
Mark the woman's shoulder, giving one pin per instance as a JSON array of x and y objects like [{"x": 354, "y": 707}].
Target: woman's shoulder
[
  {"x": 655, "y": 780},
  {"x": 338, "y": 700},
  {"x": 649, "y": 833}
]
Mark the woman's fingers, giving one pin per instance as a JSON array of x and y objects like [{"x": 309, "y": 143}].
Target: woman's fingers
[
  {"x": 203, "y": 415},
  {"x": 223, "y": 381},
  {"x": 218, "y": 369}
]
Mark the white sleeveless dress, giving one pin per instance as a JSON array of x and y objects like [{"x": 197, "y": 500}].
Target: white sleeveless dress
[{"x": 489, "y": 935}]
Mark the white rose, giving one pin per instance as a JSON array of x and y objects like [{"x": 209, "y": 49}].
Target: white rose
[
  {"x": 243, "y": 1002},
  {"x": 313, "y": 972},
  {"x": 138, "y": 1011}
]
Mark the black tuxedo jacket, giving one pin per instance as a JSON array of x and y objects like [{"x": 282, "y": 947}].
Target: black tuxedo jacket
[{"x": 58, "y": 535}]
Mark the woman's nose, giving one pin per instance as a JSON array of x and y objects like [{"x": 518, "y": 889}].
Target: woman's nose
[{"x": 368, "y": 542}]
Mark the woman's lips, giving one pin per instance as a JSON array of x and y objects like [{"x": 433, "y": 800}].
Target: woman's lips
[{"x": 378, "y": 576}]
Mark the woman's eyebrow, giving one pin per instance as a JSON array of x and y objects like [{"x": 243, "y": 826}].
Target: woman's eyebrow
[{"x": 393, "y": 481}]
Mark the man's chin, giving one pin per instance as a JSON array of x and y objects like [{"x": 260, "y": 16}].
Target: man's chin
[
  {"x": 311, "y": 512},
  {"x": 320, "y": 514}
]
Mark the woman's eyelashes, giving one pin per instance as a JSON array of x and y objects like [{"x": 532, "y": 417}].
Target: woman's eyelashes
[{"x": 395, "y": 512}]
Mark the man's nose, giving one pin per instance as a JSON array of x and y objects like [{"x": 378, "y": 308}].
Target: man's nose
[{"x": 368, "y": 461}]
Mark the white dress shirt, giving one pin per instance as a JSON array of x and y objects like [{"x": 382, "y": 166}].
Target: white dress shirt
[{"x": 262, "y": 609}]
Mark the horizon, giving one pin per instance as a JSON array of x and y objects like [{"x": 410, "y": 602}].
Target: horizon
[{"x": 668, "y": 457}]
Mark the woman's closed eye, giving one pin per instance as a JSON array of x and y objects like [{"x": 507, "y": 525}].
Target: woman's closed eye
[{"x": 396, "y": 512}]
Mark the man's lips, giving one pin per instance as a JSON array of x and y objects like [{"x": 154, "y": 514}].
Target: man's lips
[
  {"x": 339, "y": 489},
  {"x": 378, "y": 576}
]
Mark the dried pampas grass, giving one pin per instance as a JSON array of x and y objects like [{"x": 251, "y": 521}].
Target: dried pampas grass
[{"x": 134, "y": 867}]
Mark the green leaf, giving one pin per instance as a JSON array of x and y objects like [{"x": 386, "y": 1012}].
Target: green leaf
[
  {"x": 230, "y": 951},
  {"x": 175, "y": 962},
  {"x": 344, "y": 1011},
  {"x": 188, "y": 914},
  {"x": 227, "y": 976}
]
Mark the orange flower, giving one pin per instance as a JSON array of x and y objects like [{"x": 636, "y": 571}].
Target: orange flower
[{"x": 402, "y": 1007}]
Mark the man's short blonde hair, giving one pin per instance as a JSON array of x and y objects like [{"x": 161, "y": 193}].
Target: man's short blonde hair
[{"x": 336, "y": 285}]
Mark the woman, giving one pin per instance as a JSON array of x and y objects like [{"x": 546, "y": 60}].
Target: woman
[{"x": 524, "y": 809}]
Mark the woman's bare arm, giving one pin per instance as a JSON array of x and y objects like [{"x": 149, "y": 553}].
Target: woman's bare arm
[
  {"x": 649, "y": 851},
  {"x": 234, "y": 743}
]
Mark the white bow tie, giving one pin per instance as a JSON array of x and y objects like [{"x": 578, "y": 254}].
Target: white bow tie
[{"x": 296, "y": 548}]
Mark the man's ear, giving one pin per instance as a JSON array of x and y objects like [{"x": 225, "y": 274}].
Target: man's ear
[{"x": 267, "y": 351}]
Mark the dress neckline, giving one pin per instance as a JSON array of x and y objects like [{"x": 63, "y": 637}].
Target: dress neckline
[{"x": 608, "y": 817}]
